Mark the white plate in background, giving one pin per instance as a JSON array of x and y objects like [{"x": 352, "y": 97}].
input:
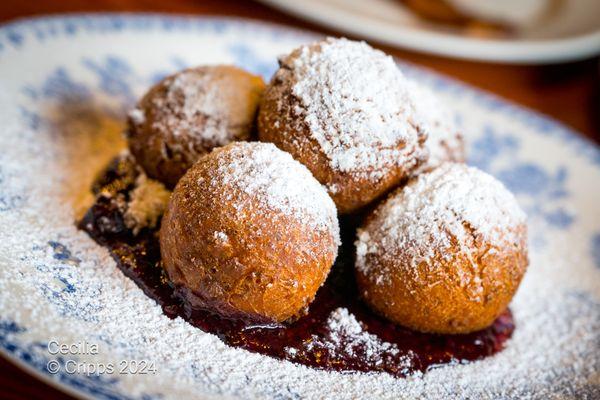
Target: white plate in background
[{"x": 571, "y": 34}]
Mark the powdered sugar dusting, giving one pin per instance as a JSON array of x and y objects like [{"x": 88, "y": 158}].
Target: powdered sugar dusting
[
  {"x": 195, "y": 94},
  {"x": 429, "y": 213},
  {"x": 346, "y": 336},
  {"x": 355, "y": 102},
  {"x": 205, "y": 104},
  {"x": 444, "y": 140},
  {"x": 274, "y": 177},
  {"x": 137, "y": 116}
]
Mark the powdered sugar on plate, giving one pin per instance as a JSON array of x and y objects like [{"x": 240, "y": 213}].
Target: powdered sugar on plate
[{"x": 347, "y": 337}]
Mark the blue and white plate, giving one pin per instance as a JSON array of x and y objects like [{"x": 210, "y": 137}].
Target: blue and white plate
[{"x": 70, "y": 317}]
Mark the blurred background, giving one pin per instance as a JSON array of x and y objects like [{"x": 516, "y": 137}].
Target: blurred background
[
  {"x": 539, "y": 53},
  {"x": 543, "y": 54}
]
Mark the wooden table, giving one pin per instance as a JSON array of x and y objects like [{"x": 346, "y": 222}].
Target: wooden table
[{"x": 568, "y": 92}]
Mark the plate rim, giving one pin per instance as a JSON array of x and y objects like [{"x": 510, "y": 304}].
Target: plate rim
[
  {"x": 44, "y": 377},
  {"x": 530, "y": 52}
]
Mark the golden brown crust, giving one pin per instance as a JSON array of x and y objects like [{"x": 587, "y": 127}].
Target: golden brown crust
[
  {"x": 428, "y": 261},
  {"x": 438, "y": 300},
  {"x": 187, "y": 114},
  {"x": 236, "y": 256},
  {"x": 280, "y": 122},
  {"x": 349, "y": 191}
]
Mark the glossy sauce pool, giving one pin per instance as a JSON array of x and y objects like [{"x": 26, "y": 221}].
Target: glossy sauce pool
[{"x": 306, "y": 341}]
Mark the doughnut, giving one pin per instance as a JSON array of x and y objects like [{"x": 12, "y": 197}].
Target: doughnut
[
  {"x": 187, "y": 114},
  {"x": 444, "y": 140},
  {"x": 344, "y": 110},
  {"x": 444, "y": 254},
  {"x": 249, "y": 234}
]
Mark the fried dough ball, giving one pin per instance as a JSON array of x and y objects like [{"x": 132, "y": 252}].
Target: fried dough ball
[
  {"x": 343, "y": 109},
  {"x": 444, "y": 254},
  {"x": 249, "y": 234},
  {"x": 187, "y": 114},
  {"x": 444, "y": 140}
]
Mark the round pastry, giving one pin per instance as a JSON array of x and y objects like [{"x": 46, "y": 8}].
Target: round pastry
[
  {"x": 343, "y": 109},
  {"x": 249, "y": 233},
  {"x": 444, "y": 254},
  {"x": 444, "y": 139},
  {"x": 187, "y": 114}
]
